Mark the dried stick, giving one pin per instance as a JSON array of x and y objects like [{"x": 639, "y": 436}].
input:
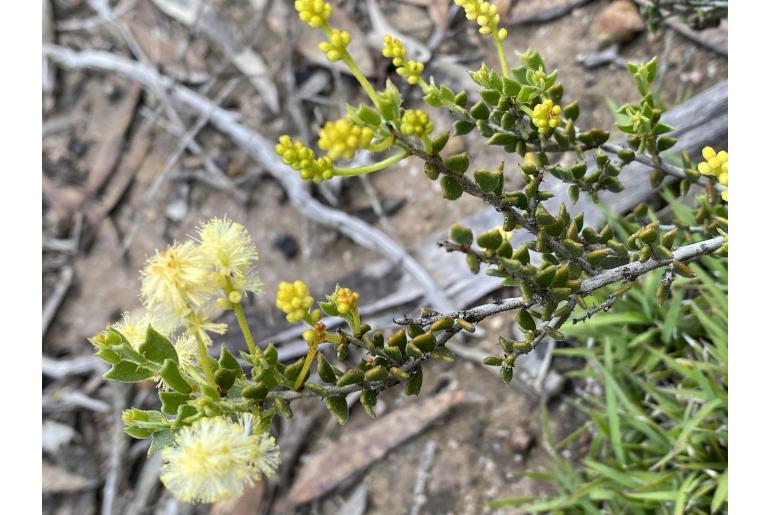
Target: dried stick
[
  {"x": 57, "y": 296},
  {"x": 262, "y": 150}
]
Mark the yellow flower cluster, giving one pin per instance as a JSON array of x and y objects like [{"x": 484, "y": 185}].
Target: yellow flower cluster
[
  {"x": 181, "y": 284},
  {"x": 313, "y": 12},
  {"x": 302, "y": 159},
  {"x": 486, "y": 16},
  {"x": 395, "y": 50},
  {"x": 215, "y": 458},
  {"x": 416, "y": 122},
  {"x": 345, "y": 299},
  {"x": 341, "y": 138},
  {"x": 294, "y": 299},
  {"x": 715, "y": 165},
  {"x": 335, "y": 46},
  {"x": 546, "y": 116}
]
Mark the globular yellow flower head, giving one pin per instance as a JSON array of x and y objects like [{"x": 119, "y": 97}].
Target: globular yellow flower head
[
  {"x": 341, "y": 138},
  {"x": 176, "y": 283},
  {"x": 345, "y": 299},
  {"x": 416, "y": 122},
  {"x": 546, "y": 116},
  {"x": 294, "y": 299},
  {"x": 302, "y": 159},
  {"x": 335, "y": 46},
  {"x": 395, "y": 50},
  {"x": 228, "y": 248},
  {"x": 313, "y": 12},
  {"x": 294, "y": 153},
  {"x": 715, "y": 165},
  {"x": 411, "y": 70},
  {"x": 215, "y": 458},
  {"x": 486, "y": 16}
]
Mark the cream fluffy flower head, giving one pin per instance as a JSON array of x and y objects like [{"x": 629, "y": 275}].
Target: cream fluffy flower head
[
  {"x": 175, "y": 283},
  {"x": 227, "y": 247},
  {"x": 133, "y": 327},
  {"x": 215, "y": 458}
]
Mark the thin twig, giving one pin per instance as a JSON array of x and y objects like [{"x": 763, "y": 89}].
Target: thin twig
[
  {"x": 423, "y": 474},
  {"x": 604, "y": 306},
  {"x": 54, "y": 301}
]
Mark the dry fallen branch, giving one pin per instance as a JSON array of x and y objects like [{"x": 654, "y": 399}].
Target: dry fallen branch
[{"x": 262, "y": 150}]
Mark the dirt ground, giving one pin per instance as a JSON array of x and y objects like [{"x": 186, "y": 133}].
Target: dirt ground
[{"x": 90, "y": 118}]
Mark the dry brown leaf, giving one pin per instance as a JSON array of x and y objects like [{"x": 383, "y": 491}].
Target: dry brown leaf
[
  {"x": 124, "y": 175},
  {"x": 110, "y": 147},
  {"x": 330, "y": 466},
  {"x": 58, "y": 480},
  {"x": 179, "y": 59}
]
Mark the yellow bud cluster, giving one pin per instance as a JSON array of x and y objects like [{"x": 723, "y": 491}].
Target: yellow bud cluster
[
  {"x": 341, "y": 138},
  {"x": 313, "y": 12},
  {"x": 335, "y": 46},
  {"x": 411, "y": 70},
  {"x": 345, "y": 299},
  {"x": 715, "y": 165},
  {"x": 486, "y": 16},
  {"x": 395, "y": 50},
  {"x": 301, "y": 158},
  {"x": 416, "y": 122},
  {"x": 545, "y": 116},
  {"x": 294, "y": 299}
]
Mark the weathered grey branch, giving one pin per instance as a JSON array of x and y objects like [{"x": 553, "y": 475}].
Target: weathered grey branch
[
  {"x": 622, "y": 273},
  {"x": 262, "y": 150},
  {"x": 476, "y": 314}
]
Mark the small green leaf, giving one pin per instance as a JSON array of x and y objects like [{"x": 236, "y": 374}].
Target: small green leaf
[
  {"x": 170, "y": 401},
  {"x": 172, "y": 377},
  {"x": 368, "y": 115},
  {"x": 160, "y": 440},
  {"x": 491, "y": 239},
  {"x": 463, "y": 127},
  {"x": 128, "y": 372},
  {"x": 414, "y": 384},
  {"x": 450, "y": 188},
  {"x": 157, "y": 348},
  {"x": 458, "y": 163},
  {"x": 368, "y": 401},
  {"x": 338, "y": 406},
  {"x": 461, "y": 235}
]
